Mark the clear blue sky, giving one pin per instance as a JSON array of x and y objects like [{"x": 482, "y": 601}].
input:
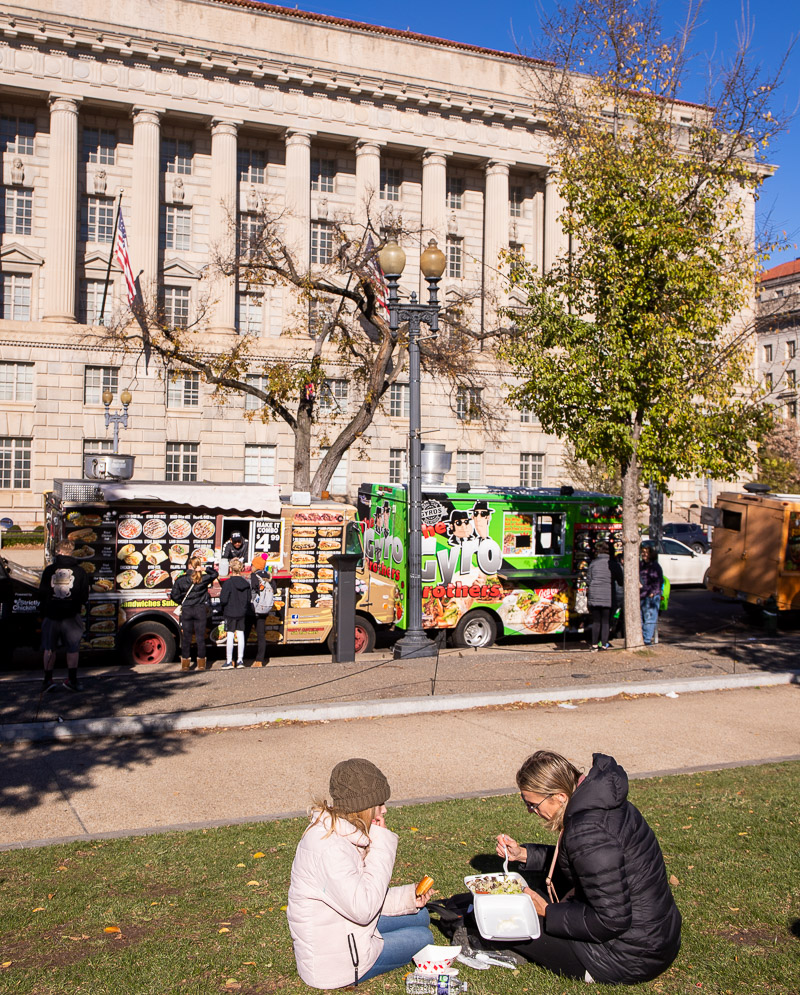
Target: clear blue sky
[{"x": 514, "y": 23}]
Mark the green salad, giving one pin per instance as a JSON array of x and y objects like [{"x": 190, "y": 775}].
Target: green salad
[{"x": 495, "y": 885}]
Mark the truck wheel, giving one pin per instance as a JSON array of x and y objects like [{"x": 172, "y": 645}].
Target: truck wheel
[
  {"x": 149, "y": 642},
  {"x": 365, "y": 636},
  {"x": 475, "y": 630}
]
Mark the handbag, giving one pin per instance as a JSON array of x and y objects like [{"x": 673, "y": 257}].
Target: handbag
[{"x": 179, "y": 610}]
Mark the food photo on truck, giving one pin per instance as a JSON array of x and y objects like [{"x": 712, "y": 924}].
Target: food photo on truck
[{"x": 498, "y": 561}]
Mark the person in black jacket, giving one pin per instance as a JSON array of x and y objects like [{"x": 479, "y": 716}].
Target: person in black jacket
[
  {"x": 609, "y": 914},
  {"x": 235, "y": 599},
  {"x": 190, "y": 591},
  {"x": 600, "y": 580},
  {"x": 63, "y": 592}
]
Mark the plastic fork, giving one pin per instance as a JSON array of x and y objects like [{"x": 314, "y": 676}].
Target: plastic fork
[{"x": 505, "y": 862}]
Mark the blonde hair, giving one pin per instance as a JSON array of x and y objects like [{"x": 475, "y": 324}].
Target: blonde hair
[
  {"x": 320, "y": 809},
  {"x": 236, "y": 565},
  {"x": 548, "y": 773},
  {"x": 195, "y": 569}
]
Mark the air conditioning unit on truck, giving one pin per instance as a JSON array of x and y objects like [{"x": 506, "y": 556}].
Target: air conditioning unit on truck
[
  {"x": 496, "y": 561},
  {"x": 135, "y": 538},
  {"x": 755, "y": 552}
]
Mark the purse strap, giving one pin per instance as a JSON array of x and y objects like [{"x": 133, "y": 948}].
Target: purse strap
[
  {"x": 187, "y": 593},
  {"x": 551, "y": 891}
]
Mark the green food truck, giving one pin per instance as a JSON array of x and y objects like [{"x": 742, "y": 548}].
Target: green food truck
[{"x": 496, "y": 561}]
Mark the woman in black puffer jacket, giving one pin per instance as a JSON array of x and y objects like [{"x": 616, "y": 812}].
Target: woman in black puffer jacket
[
  {"x": 190, "y": 591},
  {"x": 609, "y": 914}
]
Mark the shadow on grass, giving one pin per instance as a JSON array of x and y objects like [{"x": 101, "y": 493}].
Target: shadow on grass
[{"x": 794, "y": 929}]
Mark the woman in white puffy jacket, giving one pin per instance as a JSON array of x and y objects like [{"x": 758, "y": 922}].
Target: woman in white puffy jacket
[{"x": 347, "y": 924}]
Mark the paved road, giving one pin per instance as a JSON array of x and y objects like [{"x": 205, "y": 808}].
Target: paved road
[{"x": 91, "y": 787}]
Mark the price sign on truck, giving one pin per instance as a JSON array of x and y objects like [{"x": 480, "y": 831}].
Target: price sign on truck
[{"x": 268, "y": 537}]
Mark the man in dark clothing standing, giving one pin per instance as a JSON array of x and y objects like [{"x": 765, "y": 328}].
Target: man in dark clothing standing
[
  {"x": 600, "y": 579},
  {"x": 63, "y": 591}
]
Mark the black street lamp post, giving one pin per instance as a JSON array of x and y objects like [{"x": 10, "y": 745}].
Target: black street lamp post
[
  {"x": 116, "y": 419},
  {"x": 415, "y": 642}
]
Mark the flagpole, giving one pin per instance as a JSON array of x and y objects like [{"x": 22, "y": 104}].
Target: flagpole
[{"x": 110, "y": 257}]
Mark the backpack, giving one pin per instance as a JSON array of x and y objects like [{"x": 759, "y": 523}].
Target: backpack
[{"x": 264, "y": 598}]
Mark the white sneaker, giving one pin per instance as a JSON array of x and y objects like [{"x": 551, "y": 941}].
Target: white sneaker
[
  {"x": 227, "y": 666},
  {"x": 240, "y": 664}
]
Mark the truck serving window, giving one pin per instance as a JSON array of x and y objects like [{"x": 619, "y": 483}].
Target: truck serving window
[{"x": 732, "y": 520}]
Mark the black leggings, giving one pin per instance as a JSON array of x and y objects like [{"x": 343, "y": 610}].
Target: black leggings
[
  {"x": 553, "y": 952},
  {"x": 193, "y": 620},
  {"x": 600, "y": 619}
]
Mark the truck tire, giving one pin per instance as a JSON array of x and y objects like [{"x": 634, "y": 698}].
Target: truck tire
[
  {"x": 475, "y": 630},
  {"x": 148, "y": 642},
  {"x": 365, "y": 636}
]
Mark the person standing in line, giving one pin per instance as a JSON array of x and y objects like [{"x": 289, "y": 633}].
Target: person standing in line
[
  {"x": 63, "y": 593},
  {"x": 651, "y": 580},
  {"x": 262, "y": 590},
  {"x": 235, "y": 599},
  {"x": 190, "y": 591},
  {"x": 617, "y": 595},
  {"x": 599, "y": 595}
]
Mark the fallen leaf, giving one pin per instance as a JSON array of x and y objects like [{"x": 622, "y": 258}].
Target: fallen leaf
[
  {"x": 744, "y": 834},
  {"x": 40, "y": 909},
  {"x": 249, "y": 963},
  {"x": 112, "y": 929},
  {"x": 232, "y": 984},
  {"x": 690, "y": 867},
  {"x": 241, "y": 865},
  {"x": 413, "y": 829},
  {"x": 673, "y": 880},
  {"x": 733, "y": 908},
  {"x": 463, "y": 842},
  {"x": 253, "y": 884},
  {"x": 284, "y": 908},
  {"x": 154, "y": 903},
  {"x": 51, "y": 894},
  {"x": 224, "y": 930},
  {"x": 257, "y": 855},
  {"x": 7, "y": 963},
  {"x": 686, "y": 827},
  {"x": 61, "y": 867}
]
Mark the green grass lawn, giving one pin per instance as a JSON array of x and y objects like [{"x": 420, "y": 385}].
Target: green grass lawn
[{"x": 203, "y": 912}]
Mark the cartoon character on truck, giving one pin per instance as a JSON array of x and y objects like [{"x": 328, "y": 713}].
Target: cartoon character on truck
[{"x": 503, "y": 561}]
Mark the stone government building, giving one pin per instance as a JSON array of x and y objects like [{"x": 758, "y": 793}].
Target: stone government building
[{"x": 186, "y": 106}]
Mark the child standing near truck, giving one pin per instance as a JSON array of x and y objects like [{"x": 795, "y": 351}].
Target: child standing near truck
[{"x": 235, "y": 598}]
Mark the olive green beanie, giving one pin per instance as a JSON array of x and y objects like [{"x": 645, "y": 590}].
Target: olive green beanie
[{"x": 357, "y": 785}]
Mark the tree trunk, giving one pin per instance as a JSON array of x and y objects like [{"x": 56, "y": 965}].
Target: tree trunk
[
  {"x": 302, "y": 446},
  {"x": 630, "y": 547}
]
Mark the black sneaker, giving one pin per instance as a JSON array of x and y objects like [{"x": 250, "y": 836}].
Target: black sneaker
[
  {"x": 72, "y": 685},
  {"x": 50, "y": 686}
]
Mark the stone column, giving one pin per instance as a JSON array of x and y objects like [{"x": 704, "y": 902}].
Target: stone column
[
  {"x": 62, "y": 210},
  {"x": 368, "y": 180},
  {"x": 538, "y": 231},
  {"x": 434, "y": 209},
  {"x": 145, "y": 186},
  {"x": 298, "y": 195},
  {"x": 495, "y": 230},
  {"x": 553, "y": 235},
  {"x": 223, "y": 216}
]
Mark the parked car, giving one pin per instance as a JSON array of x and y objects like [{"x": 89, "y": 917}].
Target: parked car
[
  {"x": 681, "y": 565},
  {"x": 690, "y": 534}
]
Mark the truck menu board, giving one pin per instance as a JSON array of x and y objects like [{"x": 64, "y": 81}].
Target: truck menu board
[
  {"x": 154, "y": 548},
  {"x": 316, "y": 535}
]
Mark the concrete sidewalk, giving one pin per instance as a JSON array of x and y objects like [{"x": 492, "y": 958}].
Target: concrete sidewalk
[{"x": 90, "y": 788}]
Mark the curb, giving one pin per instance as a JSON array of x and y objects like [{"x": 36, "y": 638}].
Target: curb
[{"x": 144, "y": 725}]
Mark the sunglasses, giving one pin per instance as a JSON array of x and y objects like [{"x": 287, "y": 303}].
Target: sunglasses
[
  {"x": 483, "y": 514},
  {"x": 534, "y": 807},
  {"x": 460, "y": 521}
]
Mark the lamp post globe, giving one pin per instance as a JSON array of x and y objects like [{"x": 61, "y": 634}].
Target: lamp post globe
[{"x": 392, "y": 258}]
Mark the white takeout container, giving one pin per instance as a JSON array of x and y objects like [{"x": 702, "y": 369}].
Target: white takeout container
[{"x": 504, "y": 917}]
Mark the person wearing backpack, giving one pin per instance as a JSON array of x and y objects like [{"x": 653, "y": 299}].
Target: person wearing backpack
[
  {"x": 263, "y": 598},
  {"x": 63, "y": 593},
  {"x": 235, "y": 599}
]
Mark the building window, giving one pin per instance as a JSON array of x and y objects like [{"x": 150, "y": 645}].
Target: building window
[
  {"x": 259, "y": 464},
  {"x": 18, "y": 211},
  {"x": 455, "y": 257},
  {"x": 333, "y": 396},
  {"x": 181, "y": 462},
  {"x": 791, "y": 410},
  {"x": 99, "y": 226},
  {"x": 791, "y": 379},
  {"x": 175, "y": 311},
  {"x": 399, "y": 400},
  {"x": 469, "y": 467},
  {"x": 91, "y": 301},
  {"x": 97, "y": 380},
  {"x": 767, "y": 353},
  {"x": 515, "y": 198},
  {"x": 15, "y": 463},
  {"x": 338, "y": 482},
  {"x": 16, "y": 381},
  {"x": 391, "y": 179},
  {"x": 516, "y": 260},
  {"x": 531, "y": 469},
  {"x": 176, "y": 156},
  {"x": 177, "y": 227},
  {"x": 251, "y": 230},
  {"x": 468, "y": 403},
  {"x": 99, "y": 145},
  {"x": 252, "y": 403},
  {"x": 17, "y": 134},
  {"x": 252, "y": 165},
  {"x": 322, "y": 174},
  {"x": 791, "y": 350},
  {"x": 91, "y": 447},
  {"x": 251, "y": 314},
  {"x": 183, "y": 390},
  {"x": 768, "y": 381},
  {"x": 398, "y": 466},
  {"x": 321, "y": 242},
  {"x": 527, "y": 417},
  {"x": 16, "y": 288},
  {"x": 455, "y": 192}
]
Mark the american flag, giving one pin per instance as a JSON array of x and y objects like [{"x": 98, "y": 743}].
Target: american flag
[
  {"x": 376, "y": 274},
  {"x": 121, "y": 252}
]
